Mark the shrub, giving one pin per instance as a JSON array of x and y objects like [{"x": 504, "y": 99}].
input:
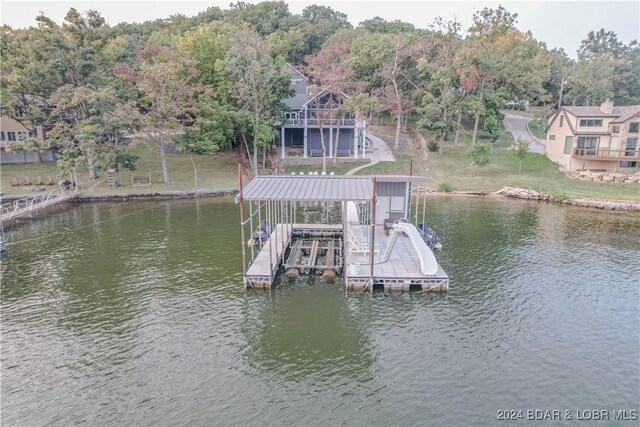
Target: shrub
[
  {"x": 480, "y": 154},
  {"x": 433, "y": 146},
  {"x": 446, "y": 187}
]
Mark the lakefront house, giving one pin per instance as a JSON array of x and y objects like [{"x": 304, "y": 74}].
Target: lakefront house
[
  {"x": 307, "y": 115},
  {"x": 603, "y": 138},
  {"x": 14, "y": 133}
]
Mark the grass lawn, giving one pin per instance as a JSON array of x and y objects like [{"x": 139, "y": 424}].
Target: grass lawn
[
  {"x": 538, "y": 173},
  {"x": 216, "y": 172},
  {"x": 537, "y": 128}
]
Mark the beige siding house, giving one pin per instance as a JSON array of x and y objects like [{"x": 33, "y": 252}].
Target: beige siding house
[
  {"x": 601, "y": 138},
  {"x": 12, "y": 132}
]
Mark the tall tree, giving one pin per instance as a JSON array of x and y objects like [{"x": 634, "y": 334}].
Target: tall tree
[
  {"x": 332, "y": 77},
  {"x": 164, "y": 78},
  {"x": 437, "y": 81},
  {"x": 259, "y": 82}
]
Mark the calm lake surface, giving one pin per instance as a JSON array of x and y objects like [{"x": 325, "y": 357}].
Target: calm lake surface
[{"x": 135, "y": 313}]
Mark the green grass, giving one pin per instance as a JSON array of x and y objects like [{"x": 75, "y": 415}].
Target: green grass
[
  {"x": 538, "y": 173},
  {"x": 216, "y": 172},
  {"x": 454, "y": 167},
  {"x": 537, "y": 128}
]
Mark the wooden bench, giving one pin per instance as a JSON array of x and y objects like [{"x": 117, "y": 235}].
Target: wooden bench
[
  {"x": 314, "y": 152},
  {"x": 140, "y": 180},
  {"x": 344, "y": 152}
]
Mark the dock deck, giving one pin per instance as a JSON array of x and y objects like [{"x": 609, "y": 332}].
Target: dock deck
[
  {"x": 264, "y": 267},
  {"x": 399, "y": 272}
]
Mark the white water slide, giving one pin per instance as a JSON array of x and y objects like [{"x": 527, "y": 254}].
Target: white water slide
[{"x": 428, "y": 263}]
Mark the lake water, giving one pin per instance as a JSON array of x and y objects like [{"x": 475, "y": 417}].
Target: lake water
[{"x": 135, "y": 313}]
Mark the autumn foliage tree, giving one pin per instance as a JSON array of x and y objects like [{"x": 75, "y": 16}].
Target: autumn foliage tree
[{"x": 163, "y": 78}]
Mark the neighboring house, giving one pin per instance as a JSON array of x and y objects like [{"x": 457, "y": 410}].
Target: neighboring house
[
  {"x": 300, "y": 131},
  {"x": 601, "y": 138},
  {"x": 13, "y": 132}
]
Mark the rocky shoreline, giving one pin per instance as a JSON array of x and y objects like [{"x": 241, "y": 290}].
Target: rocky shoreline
[{"x": 527, "y": 194}]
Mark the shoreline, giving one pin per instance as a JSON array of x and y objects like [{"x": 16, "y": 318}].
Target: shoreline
[
  {"x": 508, "y": 192},
  {"x": 533, "y": 195}
]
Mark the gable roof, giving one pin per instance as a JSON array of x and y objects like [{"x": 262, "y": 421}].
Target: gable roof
[
  {"x": 302, "y": 97},
  {"x": 619, "y": 113},
  {"x": 566, "y": 120}
]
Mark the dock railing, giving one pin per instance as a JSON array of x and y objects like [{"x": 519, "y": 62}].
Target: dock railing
[{"x": 28, "y": 205}]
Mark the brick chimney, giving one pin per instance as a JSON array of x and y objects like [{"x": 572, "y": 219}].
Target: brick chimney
[{"x": 607, "y": 107}]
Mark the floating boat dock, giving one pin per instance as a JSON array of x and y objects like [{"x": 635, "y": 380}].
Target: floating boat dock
[{"x": 365, "y": 229}]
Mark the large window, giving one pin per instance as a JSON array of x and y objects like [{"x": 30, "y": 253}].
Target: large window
[
  {"x": 633, "y": 127},
  {"x": 2, "y": 136},
  {"x": 561, "y": 120},
  {"x": 11, "y": 136},
  {"x": 590, "y": 122},
  {"x": 587, "y": 145},
  {"x": 632, "y": 145},
  {"x": 568, "y": 144},
  {"x": 625, "y": 164}
]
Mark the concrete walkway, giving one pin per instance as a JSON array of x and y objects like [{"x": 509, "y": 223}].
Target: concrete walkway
[
  {"x": 517, "y": 125},
  {"x": 380, "y": 152}
]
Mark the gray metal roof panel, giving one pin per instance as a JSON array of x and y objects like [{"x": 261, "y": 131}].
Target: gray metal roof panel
[{"x": 308, "y": 188}]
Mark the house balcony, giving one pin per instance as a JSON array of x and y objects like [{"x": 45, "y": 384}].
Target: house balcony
[
  {"x": 315, "y": 122},
  {"x": 606, "y": 154}
]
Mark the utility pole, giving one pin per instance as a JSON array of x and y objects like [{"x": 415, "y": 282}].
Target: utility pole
[{"x": 561, "y": 91}]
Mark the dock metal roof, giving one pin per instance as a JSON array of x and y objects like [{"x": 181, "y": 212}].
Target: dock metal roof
[{"x": 322, "y": 188}]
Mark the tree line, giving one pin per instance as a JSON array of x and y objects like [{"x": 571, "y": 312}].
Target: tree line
[{"x": 215, "y": 81}]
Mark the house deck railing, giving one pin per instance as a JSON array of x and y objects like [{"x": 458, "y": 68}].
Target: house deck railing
[
  {"x": 606, "y": 154},
  {"x": 315, "y": 122}
]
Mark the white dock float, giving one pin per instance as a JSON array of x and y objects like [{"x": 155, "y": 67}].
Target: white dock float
[
  {"x": 265, "y": 266},
  {"x": 399, "y": 272}
]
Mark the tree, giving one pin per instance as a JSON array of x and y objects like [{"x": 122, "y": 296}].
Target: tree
[
  {"x": 381, "y": 25},
  {"x": 590, "y": 82},
  {"x": 318, "y": 24},
  {"x": 437, "y": 80},
  {"x": 164, "y": 79},
  {"x": 259, "y": 82},
  {"x": 501, "y": 63},
  {"x": 393, "y": 72},
  {"x": 93, "y": 129},
  {"x": 480, "y": 154},
  {"x": 520, "y": 151},
  {"x": 331, "y": 77}
]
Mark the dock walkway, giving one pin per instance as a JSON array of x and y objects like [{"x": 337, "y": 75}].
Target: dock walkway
[
  {"x": 30, "y": 205},
  {"x": 265, "y": 265}
]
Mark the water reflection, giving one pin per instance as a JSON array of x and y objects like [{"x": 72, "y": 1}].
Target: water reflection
[{"x": 305, "y": 331}]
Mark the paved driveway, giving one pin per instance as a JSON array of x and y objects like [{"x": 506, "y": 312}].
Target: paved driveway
[
  {"x": 517, "y": 125},
  {"x": 380, "y": 152}
]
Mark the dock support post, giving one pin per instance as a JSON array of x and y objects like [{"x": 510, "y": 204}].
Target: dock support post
[
  {"x": 244, "y": 255},
  {"x": 331, "y": 142},
  {"x": 373, "y": 231},
  {"x": 282, "y": 145}
]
